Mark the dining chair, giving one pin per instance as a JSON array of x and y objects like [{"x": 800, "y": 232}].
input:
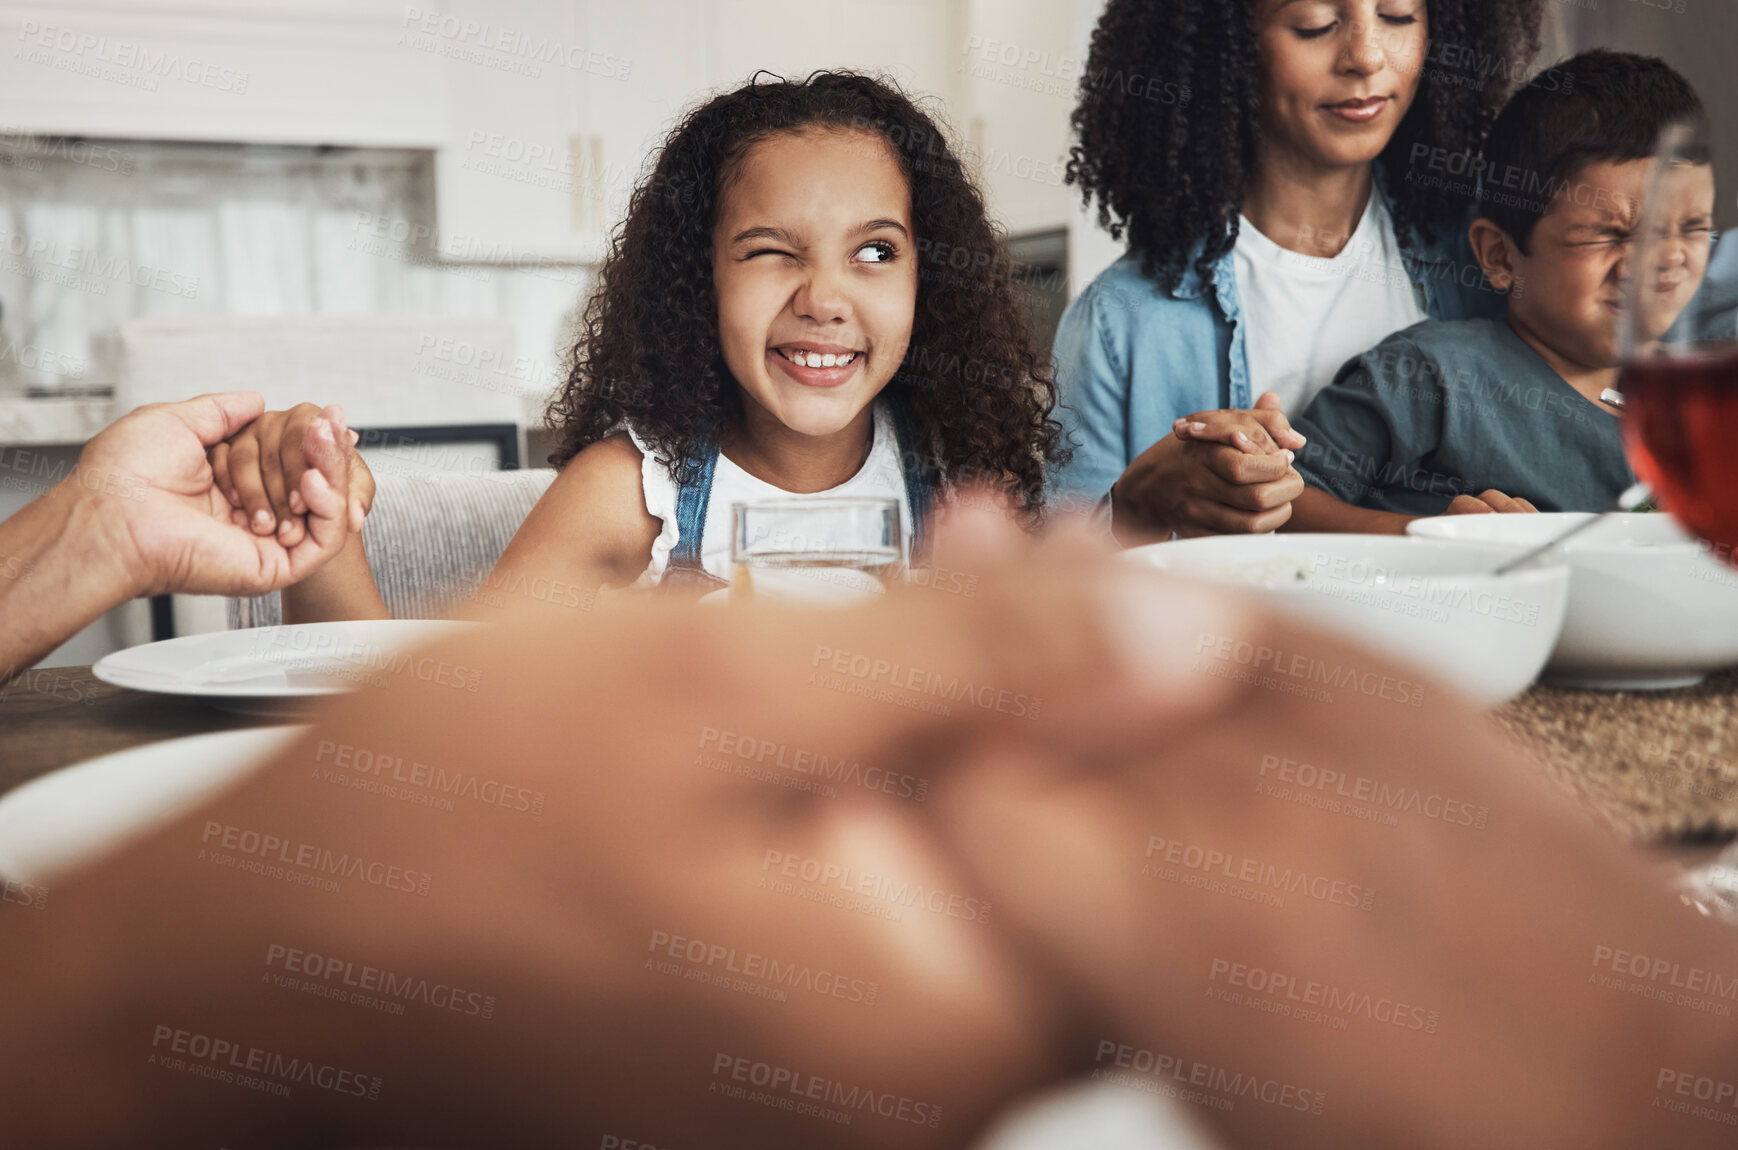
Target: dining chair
[{"x": 432, "y": 537}]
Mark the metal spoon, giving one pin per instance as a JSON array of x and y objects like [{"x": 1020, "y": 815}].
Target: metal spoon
[{"x": 1631, "y": 499}]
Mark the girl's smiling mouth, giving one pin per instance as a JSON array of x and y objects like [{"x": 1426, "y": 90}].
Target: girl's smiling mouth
[
  {"x": 1359, "y": 111},
  {"x": 815, "y": 364}
]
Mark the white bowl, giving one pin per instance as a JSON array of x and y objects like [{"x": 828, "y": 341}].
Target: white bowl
[
  {"x": 1431, "y": 604},
  {"x": 68, "y": 818},
  {"x": 1648, "y": 606}
]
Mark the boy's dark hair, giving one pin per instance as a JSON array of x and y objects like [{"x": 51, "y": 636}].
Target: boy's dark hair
[
  {"x": 1598, "y": 107},
  {"x": 975, "y": 386},
  {"x": 1170, "y": 116}
]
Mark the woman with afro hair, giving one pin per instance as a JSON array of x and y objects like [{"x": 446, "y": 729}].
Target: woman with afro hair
[{"x": 1293, "y": 179}]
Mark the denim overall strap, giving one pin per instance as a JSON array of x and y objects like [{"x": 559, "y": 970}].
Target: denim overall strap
[
  {"x": 918, "y": 488},
  {"x": 692, "y": 497}
]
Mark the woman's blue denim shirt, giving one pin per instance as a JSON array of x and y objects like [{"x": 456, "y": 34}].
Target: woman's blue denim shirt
[{"x": 1132, "y": 359}]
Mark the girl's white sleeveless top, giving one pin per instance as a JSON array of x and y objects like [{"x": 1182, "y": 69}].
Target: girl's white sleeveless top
[{"x": 880, "y": 477}]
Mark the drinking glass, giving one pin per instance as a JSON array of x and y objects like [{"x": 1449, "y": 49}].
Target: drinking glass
[
  {"x": 1679, "y": 331},
  {"x": 815, "y": 550}
]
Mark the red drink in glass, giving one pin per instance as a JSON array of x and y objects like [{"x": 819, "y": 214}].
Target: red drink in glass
[{"x": 1681, "y": 416}]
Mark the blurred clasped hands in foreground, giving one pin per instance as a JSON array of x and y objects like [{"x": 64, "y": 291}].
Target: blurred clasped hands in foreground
[{"x": 1084, "y": 731}]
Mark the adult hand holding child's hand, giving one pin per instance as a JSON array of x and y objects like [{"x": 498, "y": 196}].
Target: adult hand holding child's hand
[
  {"x": 1218, "y": 472},
  {"x": 176, "y": 531},
  {"x": 143, "y": 513},
  {"x": 260, "y": 469}
]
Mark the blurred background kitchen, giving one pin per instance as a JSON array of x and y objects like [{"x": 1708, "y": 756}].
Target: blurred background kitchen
[{"x": 399, "y": 206}]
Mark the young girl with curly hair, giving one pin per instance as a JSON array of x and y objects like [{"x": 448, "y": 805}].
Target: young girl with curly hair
[
  {"x": 787, "y": 311},
  {"x": 1297, "y": 190},
  {"x": 805, "y": 298}
]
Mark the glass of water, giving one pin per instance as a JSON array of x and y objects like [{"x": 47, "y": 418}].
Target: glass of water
[{"x": 815, "y": 550}]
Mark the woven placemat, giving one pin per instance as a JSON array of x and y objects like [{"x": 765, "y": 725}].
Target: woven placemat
[{"x": 1657, "y": 765}]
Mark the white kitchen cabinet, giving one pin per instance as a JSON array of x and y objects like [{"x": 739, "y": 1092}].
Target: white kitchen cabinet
[
  {"x": 511, "y": 182},
  {"x": 491, "y": 87},
  {"x": 683, "y": 51},
  {"x": 254, "y": 71},
  {"x": 912, "y": 40},
  {"x": 1018, "y": 64},
  {"x": 540, "y": 113},
  {"x": 625, "y": 114}
]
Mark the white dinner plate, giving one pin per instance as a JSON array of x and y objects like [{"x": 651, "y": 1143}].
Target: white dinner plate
[
  {"x": 64, "y": 819},
  {"x": 297, "y": 661},
  {"x": 1094, "y": 1115}
]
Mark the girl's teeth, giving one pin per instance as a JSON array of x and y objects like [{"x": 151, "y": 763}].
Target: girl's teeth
[{"x": 816, "y": 359}]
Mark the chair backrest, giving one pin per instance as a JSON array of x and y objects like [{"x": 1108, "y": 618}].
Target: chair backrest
[{"x": 431, "y": 540}]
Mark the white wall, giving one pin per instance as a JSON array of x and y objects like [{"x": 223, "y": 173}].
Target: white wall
[
  {"x": 1090, "y": 248},
  {"x": 1697, "y": 37},
  {"x": 1017, "y": 68}
]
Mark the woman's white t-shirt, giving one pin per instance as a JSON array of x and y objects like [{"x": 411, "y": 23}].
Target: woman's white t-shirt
[
  {"x": 1305, "y": 316},
  {"x": 880, "y": 477}
]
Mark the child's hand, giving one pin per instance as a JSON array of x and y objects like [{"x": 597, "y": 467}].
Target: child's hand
[
  {"x": 260, "y": 469},
  {"x": 1262, "y": 430},
  {"x": 1490, "y": 502}
]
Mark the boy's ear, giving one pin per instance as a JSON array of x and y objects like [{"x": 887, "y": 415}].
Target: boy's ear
[{"x": 1496, "y": 253}]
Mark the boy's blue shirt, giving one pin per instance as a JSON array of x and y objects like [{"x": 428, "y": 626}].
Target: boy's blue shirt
[
  {"x": 1447, "y": 409},
  {"x": 1132, "y": 358},
  {"x": 1443, "y": 409},
  {"x": 1716, "y": 303}
]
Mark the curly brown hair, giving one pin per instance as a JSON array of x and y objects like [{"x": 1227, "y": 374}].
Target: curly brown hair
[
  {"x": 977, "y": 390},
  {"x": 1169, "y": 172}
]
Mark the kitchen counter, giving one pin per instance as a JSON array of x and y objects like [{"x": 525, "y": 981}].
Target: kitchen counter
[{"x": 52, "y": 422}]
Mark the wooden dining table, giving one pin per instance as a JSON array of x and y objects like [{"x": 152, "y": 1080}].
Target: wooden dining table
[
  {"x": 52, "y": 717},
  {"x": 1659, "y": 767}
]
